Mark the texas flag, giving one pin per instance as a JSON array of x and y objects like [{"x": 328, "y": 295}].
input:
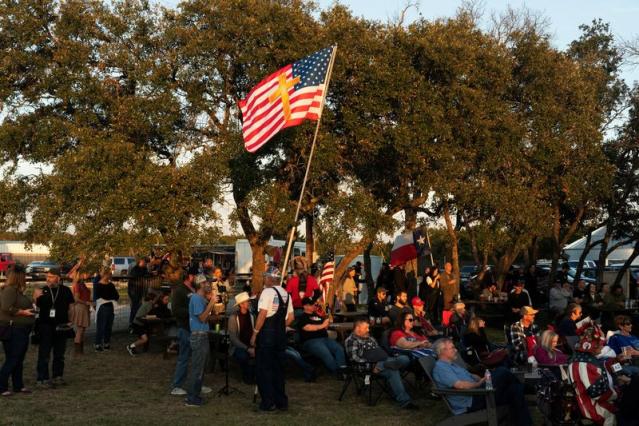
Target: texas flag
[{"x": 409, "y": 246}]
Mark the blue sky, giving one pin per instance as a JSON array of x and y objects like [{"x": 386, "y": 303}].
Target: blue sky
[{"x": 564, "y": 16}]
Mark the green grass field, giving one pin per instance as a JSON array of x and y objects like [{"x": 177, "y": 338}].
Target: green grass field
[{"x": 112, "y": 388}]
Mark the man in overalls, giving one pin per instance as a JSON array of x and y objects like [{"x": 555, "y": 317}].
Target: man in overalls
[{"x": 275, "y": 312}]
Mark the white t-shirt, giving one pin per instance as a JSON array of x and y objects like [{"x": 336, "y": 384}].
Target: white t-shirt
[{"x": 270, "y": 302}]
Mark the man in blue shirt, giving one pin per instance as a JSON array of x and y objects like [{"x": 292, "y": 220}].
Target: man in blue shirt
[
  {"x": 200, "y": 306},
  {"x": 508, "y": 391}
]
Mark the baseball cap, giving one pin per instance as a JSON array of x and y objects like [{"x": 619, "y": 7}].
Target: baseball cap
[
  {"x": 528, "y": 310},
  {"x": 381, "y": 290},
  {"x": 307, "y": 301},
  {"x": 416, "y": 301},
  {"x": 200, "y": 279}
]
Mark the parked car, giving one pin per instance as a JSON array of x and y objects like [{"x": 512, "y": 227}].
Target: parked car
[
  {"x": 6, "y": 262},
  {"x": 121, "y": 266},
  {"x": 37, "y": 270}
]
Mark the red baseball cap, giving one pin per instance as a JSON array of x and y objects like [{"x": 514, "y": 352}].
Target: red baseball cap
[{"x": 416, "y": 301}]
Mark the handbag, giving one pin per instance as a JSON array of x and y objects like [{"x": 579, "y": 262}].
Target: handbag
[{"x": 375, "y": 355}]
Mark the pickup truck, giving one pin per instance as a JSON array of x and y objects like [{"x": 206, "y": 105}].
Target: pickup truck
[{"x": 6, "y": 261}]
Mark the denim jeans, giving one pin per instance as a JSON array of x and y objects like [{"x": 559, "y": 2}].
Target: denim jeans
[
  {"x": 243, "y": 358},
  {"x": 50, "y": 341},
  {"x": 182, "y": 365},
  {"x": 391, "y": 372},
  {"x": 104, "y": 324},
  {"x": 200, "y": 348},
  {"x": 15, "y": 350},
  {"x": 307, "y": 369},
  {"x": 329, "y": 351}
]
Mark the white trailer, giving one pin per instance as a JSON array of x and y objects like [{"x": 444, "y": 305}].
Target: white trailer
[{"x": 244, "y": 256}]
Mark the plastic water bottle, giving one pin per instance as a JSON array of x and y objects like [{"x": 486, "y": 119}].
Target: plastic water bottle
[{"x": 489, "y": 380}]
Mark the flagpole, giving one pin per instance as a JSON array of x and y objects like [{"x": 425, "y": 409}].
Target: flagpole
[
  {"x": 432, "y": 263},
  {"x": 289, "y": 246}
]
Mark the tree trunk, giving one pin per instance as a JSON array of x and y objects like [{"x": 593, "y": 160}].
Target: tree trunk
[
  {"x": 454, "y": 243},
  {"x": 504, "y": 264},
  {"x": 603, "y": 254},
  {"x": 310, "y": 240},
  {"x": 559, "y": 241},
  {"x": 370, "y": 283},
  {"x": 410, "y": 218},
  {"x": 582, "y": 258},
  {"x": 340, "y": 269},
  {"x": 627, "y": 263},
  {"x": 259, "y": 265},
  {"x": 473, "y": 245}
]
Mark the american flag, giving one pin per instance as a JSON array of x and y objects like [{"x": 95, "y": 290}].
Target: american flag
[
  {"x": 326, "y": 278},
  {"x": 285, "y": 98}
]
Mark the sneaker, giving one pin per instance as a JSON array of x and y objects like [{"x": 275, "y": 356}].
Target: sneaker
[
  {"x": 59, "y": 381},
  {"x": 178, "y": 391},
  {"x": 206, "y": 389},
  {"x": 98, "y": 348},
  {"x": 107, "y": 347},
  {"x": 195, "y": 402},
  {"x": 130, "y": 349}
]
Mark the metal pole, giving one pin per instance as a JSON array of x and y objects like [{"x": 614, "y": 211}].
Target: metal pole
[{"x": 308, "y": 167}]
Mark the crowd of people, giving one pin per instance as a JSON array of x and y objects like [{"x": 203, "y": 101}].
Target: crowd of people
[{"x": 289, "y": 323}]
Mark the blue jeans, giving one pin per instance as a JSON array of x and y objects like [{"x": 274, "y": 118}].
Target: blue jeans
[
  {"x": 104, "y": 324},
  {"x": 329, "y": 351},
  {"x": 184, "y": 353},
  {"x": 15, "y": 350},
  {"x": 243, "y": 358},
  {"x": 391, "y": 372},
  {"x": 307, "y": 369},
  {"x": 200, "y": 348}
]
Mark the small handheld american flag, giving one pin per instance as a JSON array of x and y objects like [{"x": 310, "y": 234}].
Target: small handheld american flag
[
  {"x": 285, "y": 98},
  {"x": 326, "y": 278}
]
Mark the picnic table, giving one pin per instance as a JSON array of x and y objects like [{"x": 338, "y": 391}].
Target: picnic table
[{"x": 345, "y": 316}]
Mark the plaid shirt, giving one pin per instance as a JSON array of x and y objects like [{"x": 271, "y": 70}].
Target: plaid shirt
[
  {"x": 518, "y": 335},
  {"x": 355, "y": 348}
]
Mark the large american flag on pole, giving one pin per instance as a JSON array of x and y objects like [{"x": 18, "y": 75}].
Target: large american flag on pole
[{"x": 285, "y": 98}]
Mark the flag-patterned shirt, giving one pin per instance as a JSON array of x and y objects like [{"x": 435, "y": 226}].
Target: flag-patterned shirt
[{"x": 594, "y": 388}]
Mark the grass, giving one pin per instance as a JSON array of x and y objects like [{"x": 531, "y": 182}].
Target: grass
[{"x": 112, "y": 388}]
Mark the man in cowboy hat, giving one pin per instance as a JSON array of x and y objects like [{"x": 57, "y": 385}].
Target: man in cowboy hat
[{"x": 240, "y": 328}]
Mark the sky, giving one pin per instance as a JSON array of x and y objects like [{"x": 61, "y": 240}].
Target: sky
[{"x": 564, "y": 16}]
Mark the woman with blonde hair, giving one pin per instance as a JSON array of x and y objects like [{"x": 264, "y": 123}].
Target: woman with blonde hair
[
  {"x": 16, "y": 320},
  {"x": 546, "y": 351},
  {"x": 80, "y": 310}
]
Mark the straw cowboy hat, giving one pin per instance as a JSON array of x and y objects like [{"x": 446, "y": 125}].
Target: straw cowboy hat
[{"x": 241, "y": 298}]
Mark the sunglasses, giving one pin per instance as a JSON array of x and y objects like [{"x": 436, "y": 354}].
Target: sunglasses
[
  {"x": 410, "y": 319},
  {"x": 627, "y": 323}
]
